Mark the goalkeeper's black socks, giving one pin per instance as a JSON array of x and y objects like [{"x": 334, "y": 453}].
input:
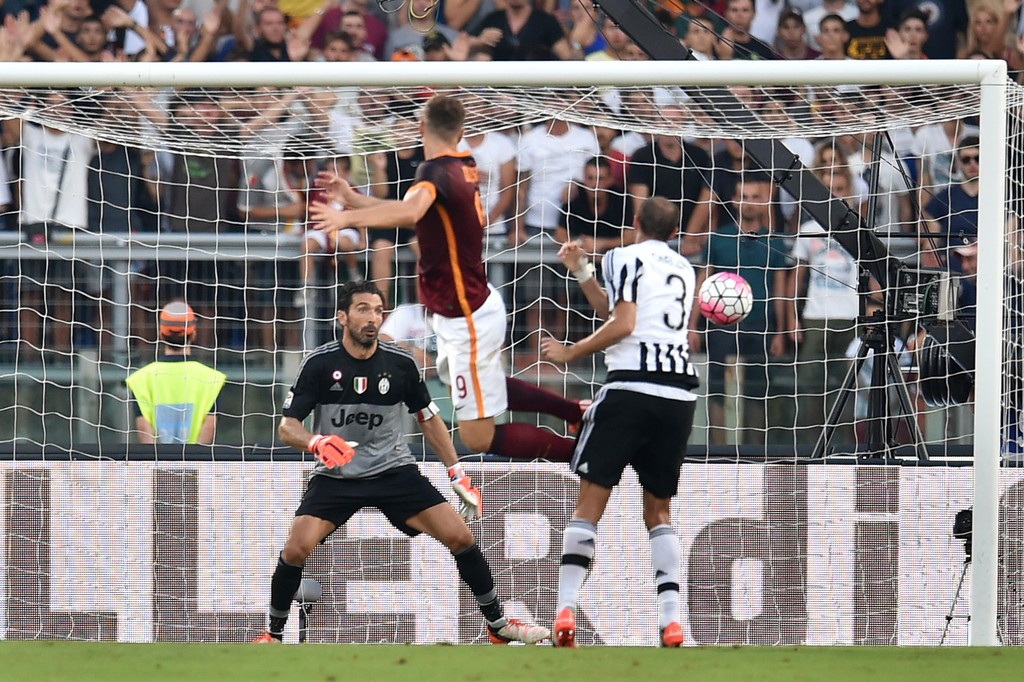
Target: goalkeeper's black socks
[
  {"x": 476, "y": 574},
  {"x": 276, "y": 627},
  {"x": 282, "y": 590}
]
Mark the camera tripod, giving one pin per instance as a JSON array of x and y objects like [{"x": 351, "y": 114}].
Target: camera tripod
[
  {"x": 956, "y": 598},
  {"x": 876, "y": 338},
  {"x": 952, "y": 614}
]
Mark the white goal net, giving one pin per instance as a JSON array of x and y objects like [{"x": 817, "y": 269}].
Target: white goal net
[{"x": 836, "y": 423}]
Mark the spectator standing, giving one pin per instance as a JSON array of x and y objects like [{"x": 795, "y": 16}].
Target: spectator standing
[
  {"x": 273, "y": 41},
  {"x": 767, "y": 17},
  {"x": 832, "y": 37},
  {"x": 947, "y": 23},
  {"x": 526, "y": 33},
  {"x": 935, "y": 145},
  {"x": 597, "y": 217},
  {"x": 791, "y": 38},
  {"x": 585, "y": 36},
  {"x": 192, "y": 42},
  {"x": 465, "y": 15},
  {"x": 951, "y": 217},
  {"x": 615, "y": 41},
  {"x": 844, "y": 9},
  {"x": 392, "y": 175},
  {"x": 824, "y": 310},
  {"x": 596, "y": 214},
  {"x": 121, "y": 200},
  {"x": 867, "y": 32},
  {"x": 354, "y": 24},
  {"x": 751, "y": 249},
  {"x": 175, "y": 397},
  {"x": 422, "y": 21},
  {"x": 272, "y": 200},
  {"x": 376, "y": 30},
  {"x": 495, "y": 155},
  {"x": 52, "y": 190},
  {"x": 988, "y": 30},
  {"x": 679, "y": 171},
  {"x": 701, "y": 39},
  {"x": 342, "y": 243},
  {"x": 200, "y": 193},
  {"x": 737, "y": 41},
  {"x": 908, "y": 39},
  {"x": 551, "y": 156}
]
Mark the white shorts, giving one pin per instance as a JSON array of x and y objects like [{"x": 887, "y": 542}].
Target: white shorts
[
  {"x": 328, "y": 242},
  {"x": 469, "y": 359}
]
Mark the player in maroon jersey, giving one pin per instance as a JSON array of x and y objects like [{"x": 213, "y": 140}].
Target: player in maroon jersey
[{"x": 466, "y": 312}]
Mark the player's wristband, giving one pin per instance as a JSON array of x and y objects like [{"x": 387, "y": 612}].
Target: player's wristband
[
  {"x": 585, "y": 273},
  {"x": 455, "y": 472}
]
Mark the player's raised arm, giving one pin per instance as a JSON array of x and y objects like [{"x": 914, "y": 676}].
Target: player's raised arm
[
  {"x": 381, "y": 214},
  {"x": 339, "y": 190},
  {"x": 579, "y": 264},
  {"x": 618, "y": 326}
]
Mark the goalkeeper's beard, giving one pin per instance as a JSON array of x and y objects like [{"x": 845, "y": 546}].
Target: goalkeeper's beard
[{"x": 365, "y": 337}]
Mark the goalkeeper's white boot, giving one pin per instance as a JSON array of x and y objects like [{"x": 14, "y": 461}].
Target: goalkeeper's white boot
[
  {"x": 565, "y": 629},
  {"x": 516, "y": 630}
]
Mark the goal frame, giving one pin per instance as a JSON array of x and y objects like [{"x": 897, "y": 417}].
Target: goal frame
[{"x": 990, "y": 75}]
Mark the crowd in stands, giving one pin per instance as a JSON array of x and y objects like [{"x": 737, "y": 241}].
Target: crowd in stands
[
  {"x": 557, "y": 179},
  {"x": 301, "y": 30}
]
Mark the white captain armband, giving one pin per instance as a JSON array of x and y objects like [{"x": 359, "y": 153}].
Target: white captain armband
[{"x": 427, "y": 412}]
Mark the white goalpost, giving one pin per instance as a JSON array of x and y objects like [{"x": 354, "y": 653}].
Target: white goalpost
[{"x": 206, "y": 177}]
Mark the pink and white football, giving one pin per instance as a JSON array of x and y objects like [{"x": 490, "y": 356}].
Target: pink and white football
[{"x": 725, "y": 298}]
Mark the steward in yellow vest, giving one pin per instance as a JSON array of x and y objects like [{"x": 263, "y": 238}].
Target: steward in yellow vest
[{"x": 175, "y": 396}]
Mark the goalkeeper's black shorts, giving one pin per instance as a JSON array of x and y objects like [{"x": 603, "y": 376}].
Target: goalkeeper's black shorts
[
  {"x": 644, "y": 431},
  {"x": 399, "y": 493}
]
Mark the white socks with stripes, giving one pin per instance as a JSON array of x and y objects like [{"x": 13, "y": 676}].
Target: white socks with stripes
[
  {"x": 578, "y": 544},
  {"x": 665, "y": 562}
]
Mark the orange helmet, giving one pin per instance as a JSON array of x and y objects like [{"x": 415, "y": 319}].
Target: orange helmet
[
  {"x": 406, "y": 54},
  {"x": 177, "y": 317}
]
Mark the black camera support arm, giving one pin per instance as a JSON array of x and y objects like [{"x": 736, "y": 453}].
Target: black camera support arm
[{"x": 785, "y": 168}]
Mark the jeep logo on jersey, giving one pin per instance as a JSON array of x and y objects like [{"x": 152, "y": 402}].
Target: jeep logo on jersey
[
  {"x": 384, "y": 385},
  {"x": 370, "y": 421},
  {"x": 359, "y": 383}
]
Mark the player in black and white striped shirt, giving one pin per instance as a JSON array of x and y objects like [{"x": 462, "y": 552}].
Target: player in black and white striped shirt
[{"x": 643, "y": 415}]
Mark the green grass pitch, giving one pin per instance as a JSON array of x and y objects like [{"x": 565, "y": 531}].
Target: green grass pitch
[{"x": 58, "y": 661}]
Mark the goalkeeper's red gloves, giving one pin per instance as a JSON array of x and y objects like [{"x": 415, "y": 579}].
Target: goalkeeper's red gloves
[
  {"x": 332, "y": 450},
  {"x": 468, "y": 493}
]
